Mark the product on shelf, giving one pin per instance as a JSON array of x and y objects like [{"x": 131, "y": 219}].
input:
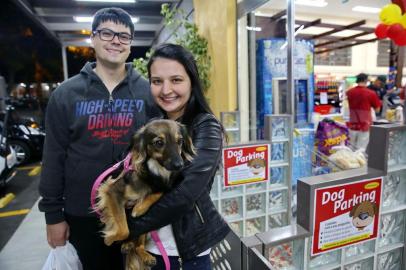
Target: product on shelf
[
  {"x": 346, "y": 159},
  {"x": 281, "y": 256},
  {"x": 328, "y": 96}
]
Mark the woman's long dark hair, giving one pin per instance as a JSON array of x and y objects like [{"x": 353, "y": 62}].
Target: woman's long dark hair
[{"x": 197, "y": 102}]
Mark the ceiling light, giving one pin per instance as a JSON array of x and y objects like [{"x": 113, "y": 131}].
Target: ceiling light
[
  {"x": 108, "y": 1},
  {"x": 84, "y": 19},
  {"x": 254, "y": 28},
  {"x": 366, "y": 9},
  {"x": 296, "y": 33},
  {"x": 311, "y": 3}
]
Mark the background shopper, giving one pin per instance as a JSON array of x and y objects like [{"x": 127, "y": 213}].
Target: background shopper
[{"x": 360, "y": 101}]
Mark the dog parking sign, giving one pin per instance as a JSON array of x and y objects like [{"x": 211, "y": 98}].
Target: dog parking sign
[
  {"x": 246, "y": 164},
  {"x": 346, "y": 214}
]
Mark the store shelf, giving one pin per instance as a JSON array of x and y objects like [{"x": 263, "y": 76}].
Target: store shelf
[
  {"x": 276, "y": 164},
  {"x": 233, "y": 219},
  {"x": 277, "y": 187},
  {"x": 394, "y": 209},
  {"x": 253, "y": 192},
  {"x": 396, "y": 168},
  {"x": 255, "y": 215},
  {"x": 230, "y": 196},
  {"x": 358, "y": 258},
  {"x": 279, "y": 140},
  {"x": 279, "y": 211},
  {"x": 327, "y": 267},
  {"x": 390, "y": 248}
]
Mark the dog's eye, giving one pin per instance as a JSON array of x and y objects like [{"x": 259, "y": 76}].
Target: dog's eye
[{"x": 158, "y": 143}]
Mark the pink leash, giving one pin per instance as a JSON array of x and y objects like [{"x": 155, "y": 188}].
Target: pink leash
[
  {"x": 157, "y": 240},
  {"x": 93, "y": 195},
  {"x": 100, "y": 179}
]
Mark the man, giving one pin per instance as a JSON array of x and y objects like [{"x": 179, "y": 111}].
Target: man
[
  {"x": 90, "y": 120},
  {"x": 379, "y": 87},
  {"x": 361, "y": 100}
]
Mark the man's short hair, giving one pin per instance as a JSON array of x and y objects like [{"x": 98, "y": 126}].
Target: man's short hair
[
  {"x": 381, "y": 78},
  {"x": 116, "y": 15},
  {"x": 362, "y": 77}
]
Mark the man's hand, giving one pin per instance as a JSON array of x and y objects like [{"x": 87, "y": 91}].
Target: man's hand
[{"x": 57, "y": 234}]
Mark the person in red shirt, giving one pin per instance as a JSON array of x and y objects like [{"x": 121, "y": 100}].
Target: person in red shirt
[{"x": 361, "y": 100}]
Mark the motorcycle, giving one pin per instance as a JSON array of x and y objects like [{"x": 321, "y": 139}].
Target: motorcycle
[{"x": 8, "y": 157}]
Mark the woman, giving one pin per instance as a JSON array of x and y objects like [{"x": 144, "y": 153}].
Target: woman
[{"x": 189, "y": 224}]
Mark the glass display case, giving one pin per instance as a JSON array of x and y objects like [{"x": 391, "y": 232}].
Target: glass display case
[
  {"x": 367, "y": 264},
  {"x": 392, "y": 229},
  {"x": 231, "y": 124},
  {"x": 394, "y": 190},
  {"x": 255, "y": 207},
  {"x": 255, "y": 204},
  {"x": 390, "y": 260},
  {"x": 328, "y": 260},
  {"x": 389, "y": 155},
  {"x": 232, "y": 208},
  {"x": 359, "y": 251}
]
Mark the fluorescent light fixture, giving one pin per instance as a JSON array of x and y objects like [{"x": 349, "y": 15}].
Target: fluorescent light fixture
[
  {"x": 296, "y": 33},
  {"x": 85, "y": 19},
  {"x": 108, "y": 1},
  {"x": 365, "y": 9},
  {"x": 254, "y": 28},
  {"x": 311, "y": 3},
  {"x": 82, "y": 19}
]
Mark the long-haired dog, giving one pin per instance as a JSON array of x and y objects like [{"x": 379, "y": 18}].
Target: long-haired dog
[{"x": 159, "y": 151}]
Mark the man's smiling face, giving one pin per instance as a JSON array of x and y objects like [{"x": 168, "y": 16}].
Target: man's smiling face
[{"x": 111, "y": 52}]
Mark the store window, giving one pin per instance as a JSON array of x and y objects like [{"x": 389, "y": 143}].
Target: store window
[
  {"x": 383, "y": 53},
  {"x": 341, "y": 57}
]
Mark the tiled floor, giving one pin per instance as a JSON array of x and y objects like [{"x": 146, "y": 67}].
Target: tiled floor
[{"x": 27, "y": 248}]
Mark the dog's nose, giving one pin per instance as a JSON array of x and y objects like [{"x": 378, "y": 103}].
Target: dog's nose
[{"x": 177, "y": 165}]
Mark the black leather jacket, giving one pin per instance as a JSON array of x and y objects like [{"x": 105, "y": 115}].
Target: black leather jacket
[{"x": 196, "y": 223}]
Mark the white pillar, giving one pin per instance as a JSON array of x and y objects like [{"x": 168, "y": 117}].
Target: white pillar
[{"x": 64, "y": 63}]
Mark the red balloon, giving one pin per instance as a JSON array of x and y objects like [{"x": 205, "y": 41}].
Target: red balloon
[
  {"x": 400, "y": 40},
  {"x": 395, "y": 30},
  {"x": 381, "y": 30}
]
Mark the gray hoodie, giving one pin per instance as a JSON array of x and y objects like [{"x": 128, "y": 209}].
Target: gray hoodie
[{"x": 87, "y": 130}]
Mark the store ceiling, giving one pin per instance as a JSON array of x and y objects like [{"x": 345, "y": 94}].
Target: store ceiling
[
  {"x": 338, "y": 25},
  {"x": 56, "y": 17}
]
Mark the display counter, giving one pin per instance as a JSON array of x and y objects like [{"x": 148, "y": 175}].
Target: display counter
[{"x": 351, "y": 220}]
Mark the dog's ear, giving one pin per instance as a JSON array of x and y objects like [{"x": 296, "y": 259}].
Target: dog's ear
[
  {"x": 375, "y": 206},
  {"x": 352, "y": 212},
  {"x": 138, "y": 148},
  {"x": 188, "y": 150}
]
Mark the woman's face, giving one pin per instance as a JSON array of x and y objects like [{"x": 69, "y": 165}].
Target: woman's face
[{"x": 170, "y": 86}]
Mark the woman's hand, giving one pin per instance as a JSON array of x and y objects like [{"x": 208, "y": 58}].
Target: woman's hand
[{"x": 57, "y": 234}]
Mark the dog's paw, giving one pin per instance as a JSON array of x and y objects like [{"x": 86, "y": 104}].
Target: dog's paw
[
  {"x": 109, "y": 240},
  {"x": 127, "y": 247},
  {"x": 149, "y": 261},
  {"x": 134, "y": 213}
]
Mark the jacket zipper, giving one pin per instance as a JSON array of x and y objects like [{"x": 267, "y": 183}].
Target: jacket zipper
[
  {"x": 111, "y": 103},
  {"x": 180, "y": 263},
  {"x": 199, "y": 213}
]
